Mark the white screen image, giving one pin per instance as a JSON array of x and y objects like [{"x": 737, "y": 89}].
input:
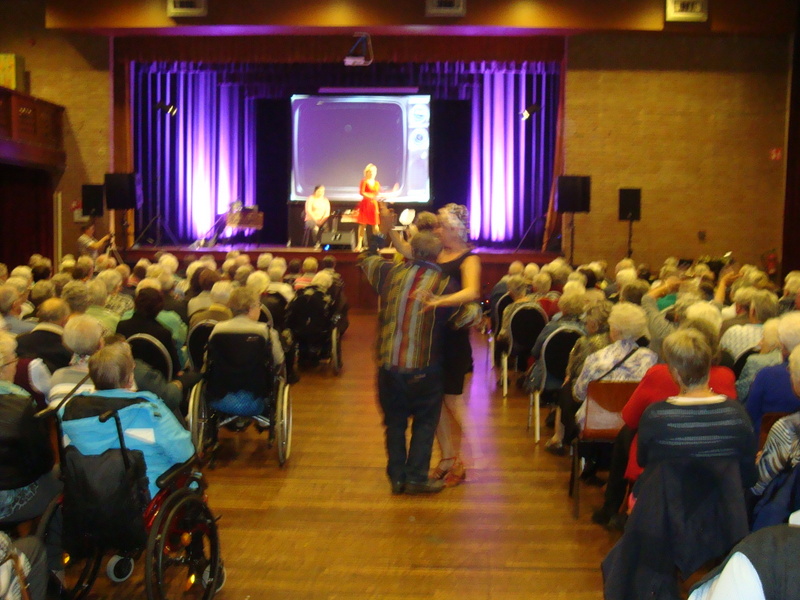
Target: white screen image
[{"x": 335, "y": 137}]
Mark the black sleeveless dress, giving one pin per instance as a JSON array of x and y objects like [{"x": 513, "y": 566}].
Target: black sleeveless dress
[{"x": 456, "y": 349}]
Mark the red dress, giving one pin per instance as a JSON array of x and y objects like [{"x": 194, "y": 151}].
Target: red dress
[
  {"x": 656, "y": 386},
  {"x": 367, "y": 213}
]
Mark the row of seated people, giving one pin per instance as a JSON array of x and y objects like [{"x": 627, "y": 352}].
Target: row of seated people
[
  {"x": 748, "y": 330},
  {"x": 156, "y": 310}
]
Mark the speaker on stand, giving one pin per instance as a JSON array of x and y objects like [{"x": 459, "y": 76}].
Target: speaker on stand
[
  {"x": 573, "y": 196},
  {"x": 630, "y": 210}
]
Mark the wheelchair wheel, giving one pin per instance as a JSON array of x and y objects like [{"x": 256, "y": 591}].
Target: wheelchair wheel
[
  {"x": 182, "y": 547},
  {"x": 80, "y": 572},
  {"x": 336, "y": 351},
  {"x": 198, "y": 420},
  {"x": 283, "y": 422},
  {"x": 81, "y": 567}
]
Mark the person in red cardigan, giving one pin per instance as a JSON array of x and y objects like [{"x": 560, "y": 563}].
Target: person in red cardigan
[{"x": 656, "y": 386}]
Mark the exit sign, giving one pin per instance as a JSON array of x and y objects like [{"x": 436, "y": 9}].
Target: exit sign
[{"x": 695, "y": 11}]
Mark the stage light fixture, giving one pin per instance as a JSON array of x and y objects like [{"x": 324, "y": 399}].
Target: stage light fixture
[
  {"x": 530, "y": 111},
  {"x": 170, "y": 109}
]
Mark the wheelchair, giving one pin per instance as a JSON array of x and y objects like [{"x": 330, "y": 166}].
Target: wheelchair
[
  {"x": 240, "y": 386},
  {"x": 316, "y": 327},
  {"x": 175, "y": 530}
]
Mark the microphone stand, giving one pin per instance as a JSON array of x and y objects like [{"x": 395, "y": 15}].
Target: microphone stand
[{"x": 527, "y": 231}]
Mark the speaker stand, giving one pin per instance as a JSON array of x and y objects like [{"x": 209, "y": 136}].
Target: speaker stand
[
  {"x": 527, "y": 231},
  {"x": 572, "y": 239},
  {"x": 160, "y": 224},
  {"x": 630, "y": 237}
]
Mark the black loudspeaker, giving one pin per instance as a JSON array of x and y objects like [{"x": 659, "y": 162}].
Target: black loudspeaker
[
  {"x": 574, "y": 192},
  {"x": 338, "y": 240},
  {"x": 123, "y": 191},
  {"x": 630, "y": 204},
  {"x": 92, "y": 200}
]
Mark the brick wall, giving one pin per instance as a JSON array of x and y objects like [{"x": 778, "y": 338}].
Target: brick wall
[
  {"x": 689, "y": 120},
  {"x": 70, "y": 70}
]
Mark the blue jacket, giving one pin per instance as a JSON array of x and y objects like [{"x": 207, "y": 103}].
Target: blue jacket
[{"x": 148, "y": 426}]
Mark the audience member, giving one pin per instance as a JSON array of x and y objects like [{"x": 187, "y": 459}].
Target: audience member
[
  {"x": 11, "y": 309},
  {"x": 44, "y": 341},
  {"x": 771, "y": 390},
  {"x": 164, "y": 442},
  {"x": 218, "y": 309},
  {"x": 310, "y": 266}
]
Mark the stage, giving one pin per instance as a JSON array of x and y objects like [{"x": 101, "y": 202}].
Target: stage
[{"x": 494, "y": 263}]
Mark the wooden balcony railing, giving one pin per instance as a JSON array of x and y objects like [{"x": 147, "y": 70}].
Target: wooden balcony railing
[{"x": 31, "y": 131}]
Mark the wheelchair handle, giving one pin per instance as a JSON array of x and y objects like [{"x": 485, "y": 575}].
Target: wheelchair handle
[
  {"x": 107, "y": 415},
  {"x": 45, "y": 412}
]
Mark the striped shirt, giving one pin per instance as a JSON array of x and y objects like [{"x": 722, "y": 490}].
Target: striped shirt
[
  {"x": 408, "y": 337},
  {"x": 682, "y": 428},
  {"x": 781, "y": 450}
]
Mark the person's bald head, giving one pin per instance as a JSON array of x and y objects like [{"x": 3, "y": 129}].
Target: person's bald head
[{"x": 53, "y": 310}]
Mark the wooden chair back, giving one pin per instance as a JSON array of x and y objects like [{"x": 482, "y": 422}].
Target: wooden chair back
[{"x": 605, "y": 401}]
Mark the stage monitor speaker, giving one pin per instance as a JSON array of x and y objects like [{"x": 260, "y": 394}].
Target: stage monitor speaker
[
  {"x": 574, "y": 193},
  {"x": 92, "y": 200},
  {"x": 630, "y": 204},
  {"x": 338, "y": 240},
  {"x": 123, "y": 191}
]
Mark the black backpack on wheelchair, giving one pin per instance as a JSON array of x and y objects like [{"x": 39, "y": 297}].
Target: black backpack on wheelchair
[
  {"x": 239, "y": 373},
  {"x": 104, "y": 495},
  {"x": 309, "y": 317}
]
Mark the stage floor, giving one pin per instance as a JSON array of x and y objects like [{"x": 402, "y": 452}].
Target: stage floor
[{"x": 494, "y": 263}]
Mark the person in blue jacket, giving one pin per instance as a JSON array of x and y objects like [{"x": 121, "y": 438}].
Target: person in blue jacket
[{"x": 148, "y": 425}]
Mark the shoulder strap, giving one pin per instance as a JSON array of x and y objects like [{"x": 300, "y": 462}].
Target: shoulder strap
[{"x": 619, "y": 362}]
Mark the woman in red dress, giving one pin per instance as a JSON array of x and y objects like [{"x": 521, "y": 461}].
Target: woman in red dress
[{"x": 368, "y": 213}]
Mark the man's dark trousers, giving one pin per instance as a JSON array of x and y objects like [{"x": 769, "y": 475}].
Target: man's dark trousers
[{"x": 402, "y": 395}]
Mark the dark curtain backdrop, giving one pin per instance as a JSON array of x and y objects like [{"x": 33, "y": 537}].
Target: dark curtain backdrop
[
  {"x": 26, "y": 214},
  {"x": 197, "y": 161}
]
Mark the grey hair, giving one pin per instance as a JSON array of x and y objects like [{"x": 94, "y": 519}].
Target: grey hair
[
  {"x": 83, "y": 334},
  {"x": 242, "y": 300},
  {"x": 258, "y": 281},
  {"x": 628, "y": 320},
  {"x": 76, "y": 295},
  {"x": 8, "y": 296},
  {"x": 111, "y": 367},
  {"x": 789, "y": 331},
  {"x": 98, "y": 293},
  {"x": 322, "y": 280},
  {"x": 221, "y": 292}
]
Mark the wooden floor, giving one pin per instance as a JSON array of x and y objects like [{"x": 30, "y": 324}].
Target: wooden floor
[{"x": 327, "y": 527}]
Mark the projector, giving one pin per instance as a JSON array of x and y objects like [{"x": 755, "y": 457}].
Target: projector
[{"x": 356, "y": 61}]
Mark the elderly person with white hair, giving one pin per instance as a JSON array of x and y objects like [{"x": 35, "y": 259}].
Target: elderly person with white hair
[
  {"x": 218, "y": 310},
  {"x": 83, "y": 335},
  {"x": 740, "y": 338},
  {"x": 11, "y": 309},
  {"x": 624, "y": 359},
  {"x": 772, "y": 389},
  {"x": 769, "y": 354},
  {"x": 277, "y": 285},
  {"x": 116, "y": 302},
  {"x": 98, "y": 295},
  {"x": 263, "y": 261},
  {"x": 310, "y": 267}
]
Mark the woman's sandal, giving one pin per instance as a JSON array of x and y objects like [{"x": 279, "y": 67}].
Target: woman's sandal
[
  {"x": 456, "y": 475},
  {"x": 441, "y": 472}
]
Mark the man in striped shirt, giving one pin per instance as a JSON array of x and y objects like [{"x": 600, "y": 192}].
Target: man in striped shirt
[{"x": 409, "y": 359}]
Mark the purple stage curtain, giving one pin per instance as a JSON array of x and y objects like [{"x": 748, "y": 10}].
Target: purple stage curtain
[{"x": 201, "y": 158}]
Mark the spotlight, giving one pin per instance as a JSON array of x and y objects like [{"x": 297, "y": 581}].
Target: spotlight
[
  {"x": 170, "y": 109},
  {"x": 529, "y": 112}
]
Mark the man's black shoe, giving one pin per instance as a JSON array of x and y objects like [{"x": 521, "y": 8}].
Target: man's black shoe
[
  {"x": 398, "y": 487},
  {"x": 617, "y": 522},
  {"x": 431, "y": 486}
]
